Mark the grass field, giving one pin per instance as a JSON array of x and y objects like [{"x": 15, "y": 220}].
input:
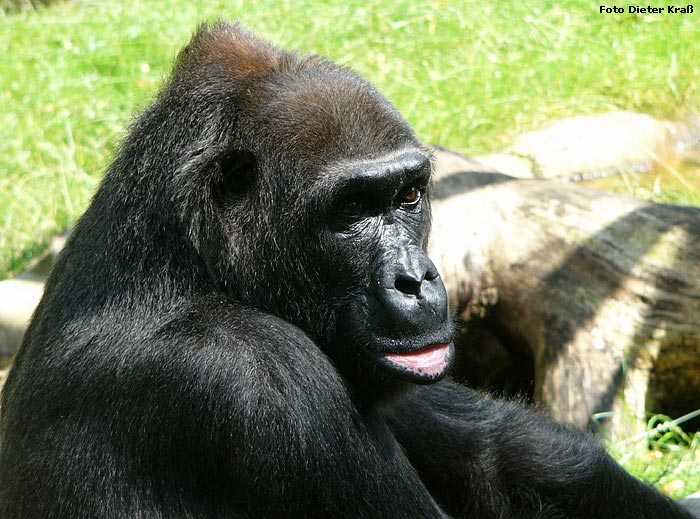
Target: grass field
[{"x": 467, "y": 74}]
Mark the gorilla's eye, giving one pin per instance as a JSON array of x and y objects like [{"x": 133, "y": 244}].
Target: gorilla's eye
[
  {"x": 352, "y": 207},
  {"x": 409, "y": 197}
]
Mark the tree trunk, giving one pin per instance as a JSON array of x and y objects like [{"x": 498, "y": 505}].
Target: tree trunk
[{"x": 601, "y": 291}]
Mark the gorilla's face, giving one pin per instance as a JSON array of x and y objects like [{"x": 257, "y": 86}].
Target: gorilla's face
[
  {"x": 333, "y": 217},
  {"x": 398, "y": 319},
  {"x": 350, "y": 268}
]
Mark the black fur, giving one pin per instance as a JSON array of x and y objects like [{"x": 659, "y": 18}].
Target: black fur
[{"x": 216, "y": 339}]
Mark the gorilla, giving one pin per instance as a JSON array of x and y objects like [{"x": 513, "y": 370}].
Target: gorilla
[{"x": 245, "y": 324}]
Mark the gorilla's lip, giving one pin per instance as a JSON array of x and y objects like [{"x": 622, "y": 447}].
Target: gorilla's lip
[
  {"x": 428, "y": 361},
  {"x": 422, "y": 366}
]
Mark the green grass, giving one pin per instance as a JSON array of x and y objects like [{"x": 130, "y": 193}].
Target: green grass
[
  {"x": 666, "y": 456},
  {"x": 468, "y": 74}
]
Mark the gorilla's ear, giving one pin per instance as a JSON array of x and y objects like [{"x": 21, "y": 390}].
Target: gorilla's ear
[
  {"x": 236, "y": 175},
  {"x": 217, "y": 79},
  {"x": 213, "y": 179}
]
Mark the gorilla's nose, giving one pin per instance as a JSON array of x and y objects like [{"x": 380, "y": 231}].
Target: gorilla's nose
[{"x": 412, "y": 295}]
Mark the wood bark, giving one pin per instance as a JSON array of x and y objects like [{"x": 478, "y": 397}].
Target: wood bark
[{"x": 600, "y": 291}]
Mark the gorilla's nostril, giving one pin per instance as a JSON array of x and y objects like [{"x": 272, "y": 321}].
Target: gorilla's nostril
[
  {"x": 431, "y": 275},
  {"x": 407, "y": 285}
]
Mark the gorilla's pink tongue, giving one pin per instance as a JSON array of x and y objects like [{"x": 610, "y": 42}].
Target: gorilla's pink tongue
[{"x": 431, "y": 361}]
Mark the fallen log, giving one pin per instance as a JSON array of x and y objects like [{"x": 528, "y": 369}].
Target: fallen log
[{"x": 599, "y": 292}]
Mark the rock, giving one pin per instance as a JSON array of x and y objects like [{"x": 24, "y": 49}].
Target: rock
[
  {"x": 18, "y": 298},
  {"x": 515, "y": 166},
  {"x": 447, "y": 162},
  {"x": 599, "y": 291},
  {"x": 604, "y": 143},
  {"x": 692, "y": 503}
]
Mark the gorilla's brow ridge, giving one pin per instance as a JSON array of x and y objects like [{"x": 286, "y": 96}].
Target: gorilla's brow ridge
[{"x": 386, "y": 172}]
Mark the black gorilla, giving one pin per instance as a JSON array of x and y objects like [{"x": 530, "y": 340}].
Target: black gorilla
[{"x": 245, "y": 324}]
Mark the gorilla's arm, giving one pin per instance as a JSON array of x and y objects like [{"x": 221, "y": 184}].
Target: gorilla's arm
[
  {"x": 288, "y": 422},
  {"x": 229, "y": 411},
  {"x": 307, "y": 432},
  {"x": 477, "y": 454}
]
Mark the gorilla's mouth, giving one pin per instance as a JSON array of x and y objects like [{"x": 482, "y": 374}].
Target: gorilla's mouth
[{"x": 424, "y": 366}]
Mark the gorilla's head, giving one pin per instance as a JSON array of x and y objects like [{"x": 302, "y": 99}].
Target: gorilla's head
[{"x": 306, "y": 194}]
